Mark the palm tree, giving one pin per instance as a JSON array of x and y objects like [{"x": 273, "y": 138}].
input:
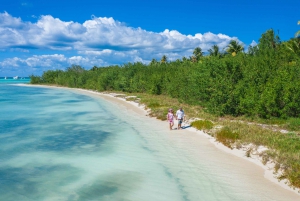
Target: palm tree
[
  {"x": 214, "y": 51},
  {"x": 94, "y": 68},
  {"x": 294, "y": 45},
  {"x": 298, "y": 32},
  {"x": 193, "y": 59},
  {"x": 184, "y": 59},
  {"x": 164, "y": 59},
  {"x": 234, "y": 47},
  {"x": 153, "y": 61},
  {"x": 197, "y": 54}
]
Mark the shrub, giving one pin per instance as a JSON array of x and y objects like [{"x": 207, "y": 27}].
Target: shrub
[
  {"x": 202, "y": 124},
  {"x": 293, "y": 124},
  {"x": 153, "y": 104},
  {"x": 227, "y": 137}
]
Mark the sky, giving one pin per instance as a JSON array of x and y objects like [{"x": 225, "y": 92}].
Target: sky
[{"x": 36, "y": 36}]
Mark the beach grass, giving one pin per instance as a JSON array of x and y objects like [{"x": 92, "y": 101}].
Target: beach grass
[
  {"x": 227, "y": 137},
  {"x": 202, "y": 124}
]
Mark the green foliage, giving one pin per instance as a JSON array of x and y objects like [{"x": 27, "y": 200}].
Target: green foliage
[
  {"x": 197, "y": 54},
  {"x": 153, "y": 104},
  {"x": 227, "y": 137},
  {"x": 35, "y": 79},
  {"x": 164, "y": 59},
  {"x": 234, "y": 47},
  {"x": 215, "y": 51},
  {"x": 202, "y": 124},
  {"x": 263, "y": 82},
  {"x": 268, "y": 41},
  {"x": 298, "y": 32},
  {"x": 293, "y": 124},
  {"x": 293, "y": 46}
]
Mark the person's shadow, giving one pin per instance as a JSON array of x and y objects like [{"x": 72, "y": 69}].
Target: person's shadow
[{"x": 184, "y": 127}]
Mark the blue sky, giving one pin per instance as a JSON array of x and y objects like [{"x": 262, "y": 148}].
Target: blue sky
[{"x": 36, "y": 35}]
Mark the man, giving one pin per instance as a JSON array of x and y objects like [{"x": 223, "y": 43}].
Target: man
[{"x": 180, "y": 117}]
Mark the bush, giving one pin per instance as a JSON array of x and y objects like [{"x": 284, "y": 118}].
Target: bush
[
  {"x": 293, "y": 124},
  {"x": 35, "y": 79},
  {"x": 153, "y": 104},
  {"x": 202, "y": 124},
  {"x": 227, "y": 137}
]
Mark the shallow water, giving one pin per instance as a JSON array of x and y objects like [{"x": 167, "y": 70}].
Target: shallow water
[{"x": 59, "y": 144}]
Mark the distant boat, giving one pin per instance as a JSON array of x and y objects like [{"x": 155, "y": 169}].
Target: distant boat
[
  {"x": 5, "y": 78},
  {"x": 16, "y": 77}
]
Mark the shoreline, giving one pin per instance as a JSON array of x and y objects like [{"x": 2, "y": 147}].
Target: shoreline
[{"x": 140, "y": 110}]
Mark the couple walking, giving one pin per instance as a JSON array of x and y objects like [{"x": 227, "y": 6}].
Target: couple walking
[{"x": 179, "y": 116}]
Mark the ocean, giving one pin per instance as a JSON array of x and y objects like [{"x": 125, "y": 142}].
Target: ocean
[{"x": 62, "y": 144}]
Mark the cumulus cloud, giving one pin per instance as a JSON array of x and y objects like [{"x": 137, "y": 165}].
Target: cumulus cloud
[
  {"x": 253, "y": 43},
  {"x": 48, "y": 62},
  {"x": 94, "y": 34},
  {"x": 35, "y": 61},
  {"x": 97, "y": 41}
]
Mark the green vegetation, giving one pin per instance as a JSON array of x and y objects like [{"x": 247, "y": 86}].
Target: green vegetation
[
  {"x": 202, "y": 124},
  {"x": 234, "y": 47},
  {"x": 250, "y": 96},
  {"x": 263, "y": 82},
  {"x": 298, "y": 32},
  {"x": 227, "y": 137}
]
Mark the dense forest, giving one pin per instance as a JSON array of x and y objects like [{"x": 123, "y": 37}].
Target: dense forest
[{"x": 263, "y": 81}]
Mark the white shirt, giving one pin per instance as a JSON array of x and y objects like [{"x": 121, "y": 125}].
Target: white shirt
[{"x": 180, "y": 114}]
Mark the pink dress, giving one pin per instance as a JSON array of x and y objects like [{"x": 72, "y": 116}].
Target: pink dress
[{"x": 170, "y": 117}]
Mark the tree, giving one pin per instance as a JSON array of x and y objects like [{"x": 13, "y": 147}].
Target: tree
[
  {"x": 164, "y": 59},
  {"x": 234, "y": 47},
  {"x": 153, "y": 62},
  {"x": 197, "y": 54},
  {"x": 214, "y": 51},
  {"x": 294, "y": 45},
  {"x": 269, "y": 40},
  {"x": 95, "y": 68},
  {"x": 252, "y": 50},
  {"x": 75, "y": 68},
  {"x": 298, "y": 32}
]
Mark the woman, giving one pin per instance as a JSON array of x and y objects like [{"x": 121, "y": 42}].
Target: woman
[{"x": 170, "y": 117}]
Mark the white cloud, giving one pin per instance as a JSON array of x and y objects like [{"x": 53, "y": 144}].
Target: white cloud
[
  {"x": 253, "y": 43},
  {"x": 99, "y": 53},
  {"x": 7, "y": 21},
  {"x": 36, "y": 61},
  {"x": 11, "y": 62},
  {"x": 95, "y": 34},
  {"x": 48, "y": 62},
  {"x": 98, "y": 41}
]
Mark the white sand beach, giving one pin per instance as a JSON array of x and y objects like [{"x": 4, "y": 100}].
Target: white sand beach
[{"x": 195, "y": 158}]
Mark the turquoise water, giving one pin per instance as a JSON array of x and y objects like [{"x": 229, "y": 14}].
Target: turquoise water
[
  {"x": 10, "y": 80},
  {"x": 59, "y": 144}
]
